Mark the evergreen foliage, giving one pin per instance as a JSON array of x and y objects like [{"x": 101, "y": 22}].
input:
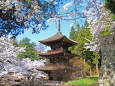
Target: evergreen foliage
[
  {"x": 96, "y": 57},
  {"x": 82, "y": 36},
  {"x": 30, "y": 51},
  {"x": 110, "y": 4},
  {"x": 106, "y": 32},
  {"x": 96, "y": 61},
  {"x": 72, "y": 34}
]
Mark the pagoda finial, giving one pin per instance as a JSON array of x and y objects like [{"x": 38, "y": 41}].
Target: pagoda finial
[{"x": 58, "y": 25}]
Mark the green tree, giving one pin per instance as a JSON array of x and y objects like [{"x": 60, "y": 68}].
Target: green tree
[
  {"x": 110, "y": 4},
  {"x": 77, "y": 27},
  {"x": 106, "y": 32},
  {"x": 30, "y": 51},
  {"x": 83, "y": 36},
  {"x": 73, "y": 34}
]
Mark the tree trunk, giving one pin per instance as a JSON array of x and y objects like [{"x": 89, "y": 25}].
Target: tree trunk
[
  {"x": 84, "y": 74},
  {"x": 97, "y": 70},
  {"x": 90, "y": 70},
  {"x": 84, "y": 61}
]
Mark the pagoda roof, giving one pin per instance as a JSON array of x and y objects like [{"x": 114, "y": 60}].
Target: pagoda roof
[
  {"x": 52, "y": 67},
  {"x": 57, "y": 37},
  {"x": 56, "y": 52}
]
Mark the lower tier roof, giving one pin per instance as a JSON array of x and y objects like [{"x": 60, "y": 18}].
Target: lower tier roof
[{"x": 52, "y": 67}]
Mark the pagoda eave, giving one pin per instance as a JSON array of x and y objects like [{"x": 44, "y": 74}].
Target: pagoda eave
[
  {"x": 58, "y": 37},
  {"x": 52, "y": 67},
  {"x": 50, "y": 54},
  {"x": 59, "y": 54}
]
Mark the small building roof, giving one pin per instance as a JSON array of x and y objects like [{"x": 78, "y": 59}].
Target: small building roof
[{"x": 58, "y": 37}]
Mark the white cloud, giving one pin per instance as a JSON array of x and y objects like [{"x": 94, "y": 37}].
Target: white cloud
[
  {"x": 68, "y": 4},
  {"x": 50, "y": 20},
  {"x": 49, "y": 0},
  {"x": 65, "y": 7}
]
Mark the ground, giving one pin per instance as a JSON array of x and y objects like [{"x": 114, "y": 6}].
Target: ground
[{"x": 83, "y": 81}]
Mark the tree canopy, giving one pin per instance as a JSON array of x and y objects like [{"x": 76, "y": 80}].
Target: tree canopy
[
  {"x": 30, "y": 51},
  {"x": 83, "y": 36},
  {"x": 18, "y": 15},
  {"x": 110, "y": 4}
]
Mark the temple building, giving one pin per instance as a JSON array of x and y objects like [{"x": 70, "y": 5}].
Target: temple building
[{"x": 59, "y": 68}]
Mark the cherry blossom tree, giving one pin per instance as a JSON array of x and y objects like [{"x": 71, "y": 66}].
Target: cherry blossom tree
[
  {"x": 18, "y": 15},
  {"x": 8, "y": 55},
  {"x": 105, "y": 22},
  {"x": 10, "y": 63},
  {"x": 79, "y": 10}
]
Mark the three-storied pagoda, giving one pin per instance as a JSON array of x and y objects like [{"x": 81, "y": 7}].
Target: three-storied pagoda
[{"x": 59, "y": 67}]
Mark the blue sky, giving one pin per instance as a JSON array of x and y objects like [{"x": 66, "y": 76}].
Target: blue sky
[{"x": 51, "y": 30}]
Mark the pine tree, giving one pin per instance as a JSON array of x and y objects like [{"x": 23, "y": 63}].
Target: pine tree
[
  {"x": 73, "y": 34},
  {"x": 83, "y": 36},
  {"x": 77, "y": 27},
  {"x": 72, "y": 37},
  {"x": 30, "y": 51},
  {"x": 110, "y": 4}
]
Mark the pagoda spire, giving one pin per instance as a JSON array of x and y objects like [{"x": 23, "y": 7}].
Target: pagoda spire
[{"x": 58, "y": 25}]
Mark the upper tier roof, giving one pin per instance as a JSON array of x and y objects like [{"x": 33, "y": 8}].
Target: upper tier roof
[{"x": 58, "y": 37}]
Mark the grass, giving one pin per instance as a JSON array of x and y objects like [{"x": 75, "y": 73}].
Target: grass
[{"x": 84, "y": 81}]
